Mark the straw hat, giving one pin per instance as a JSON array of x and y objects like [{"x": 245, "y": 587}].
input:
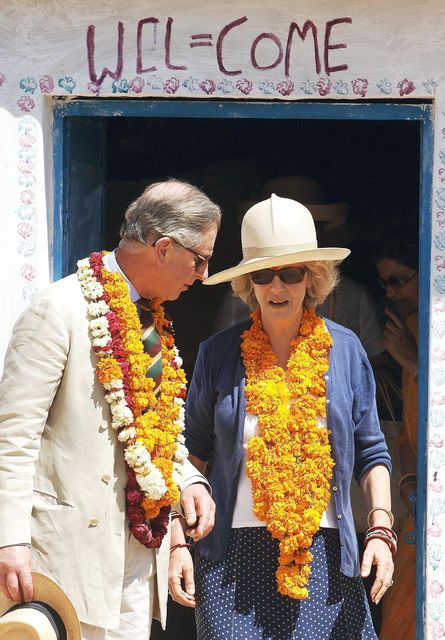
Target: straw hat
[
  {"x": 308, "y": 191},
  {"x": 41, "y": 619},
  {"x": 276, "y": 232}
]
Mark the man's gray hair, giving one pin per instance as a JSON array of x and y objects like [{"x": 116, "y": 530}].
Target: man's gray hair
[{"x": 172, "y": 208}]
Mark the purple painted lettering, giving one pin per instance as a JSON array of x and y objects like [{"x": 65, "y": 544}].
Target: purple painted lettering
[
  {"x": 302, "y": 34},
  {"x": 201, "y": 40},
  {"x": 139, "y": 66},
  {"x": 220, "y": 42},
  {"x": 266, "y": 36},
  {"x": 90, "y": 54},
  {"x": 329, "y": 47},
  {"x": 168, "y": 42}
]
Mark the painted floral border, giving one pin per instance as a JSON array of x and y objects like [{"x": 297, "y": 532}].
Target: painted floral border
[
  {"x": 360, "y": 87},
  {"x": 26, "y": 209}
]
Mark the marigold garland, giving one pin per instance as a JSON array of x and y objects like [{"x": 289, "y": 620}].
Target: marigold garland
[
  {"x": 149, "y": 425},
  {"x": 289, "y": 463}
]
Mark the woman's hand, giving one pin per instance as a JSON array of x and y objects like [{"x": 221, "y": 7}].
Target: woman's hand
[
  {"x": 378, "y": 553},
  {"x": 400, "y": 342},
  {"x": 181, "y": 568}
]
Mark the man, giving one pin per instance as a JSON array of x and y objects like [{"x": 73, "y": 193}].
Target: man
[{"x": 65, "y": 426}]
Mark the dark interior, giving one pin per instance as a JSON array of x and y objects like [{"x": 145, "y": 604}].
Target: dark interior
[{"x": 372, "y": 165}]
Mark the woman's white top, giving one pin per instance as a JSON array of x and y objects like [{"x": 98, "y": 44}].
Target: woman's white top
[{"x": 243, "y": 515}]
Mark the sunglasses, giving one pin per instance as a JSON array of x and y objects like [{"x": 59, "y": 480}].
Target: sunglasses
[
  {"x": 395, "y": 283},
  {"x": 288, "y": 275},
  {"x": 200, "y": 260}
]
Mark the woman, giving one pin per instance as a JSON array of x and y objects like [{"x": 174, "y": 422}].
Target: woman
[
  {"x": 397, "y": 259},
  {"x": 282, "y": 560}
]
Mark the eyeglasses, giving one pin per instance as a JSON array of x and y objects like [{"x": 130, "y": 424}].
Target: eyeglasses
[
  {"x": 288, "y": 275},
  {"x": 200, "y": 260},
  {"x": 396, "y": 282}
]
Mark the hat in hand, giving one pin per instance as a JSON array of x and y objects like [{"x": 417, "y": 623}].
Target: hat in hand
[{"x": 50, "y": 616}]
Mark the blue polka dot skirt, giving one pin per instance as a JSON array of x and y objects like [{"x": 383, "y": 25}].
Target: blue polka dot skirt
[{"x": 237, "y": 599}]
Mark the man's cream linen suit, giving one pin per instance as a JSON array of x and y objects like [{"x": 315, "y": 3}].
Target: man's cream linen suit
[{"x": 62, "y": 472}]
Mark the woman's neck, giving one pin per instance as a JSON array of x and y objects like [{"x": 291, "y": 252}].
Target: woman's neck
[{"x": 281, "y": 333}]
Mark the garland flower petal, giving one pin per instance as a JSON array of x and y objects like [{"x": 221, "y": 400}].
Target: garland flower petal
[
  {"x": 149, "y": 425},
  {"x": 289, "y": 463}
]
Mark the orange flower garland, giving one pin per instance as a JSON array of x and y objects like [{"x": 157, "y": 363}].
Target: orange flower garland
[
  {"x": 149, "y": 425},
  {"x": 289, "y": 463}
]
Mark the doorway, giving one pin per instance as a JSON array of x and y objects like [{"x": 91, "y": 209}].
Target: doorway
[{"x": 376, "y": 157}]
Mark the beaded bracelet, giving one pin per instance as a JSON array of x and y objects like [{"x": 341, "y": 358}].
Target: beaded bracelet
[
  {"x": 387, "y": 540},
  {"x": 180, "y": 545},
  {"x": 384, "y": 530},
  {"x": 387, "y": 511},
  {"x": 382, "y": 533}
]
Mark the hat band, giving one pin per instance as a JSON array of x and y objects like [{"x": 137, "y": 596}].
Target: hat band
[
  {"x": 276, "y": 250},
  {"x": 50, "y": 613}
]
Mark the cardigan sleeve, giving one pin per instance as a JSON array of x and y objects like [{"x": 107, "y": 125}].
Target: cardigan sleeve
[
  {"x": 370, "y": 444},
  {"x": 200, "y": 406}
]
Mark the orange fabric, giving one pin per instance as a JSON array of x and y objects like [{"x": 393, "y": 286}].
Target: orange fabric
[
  {"x": 399, "y": 604},
  {"x": 408, "y": 432}
]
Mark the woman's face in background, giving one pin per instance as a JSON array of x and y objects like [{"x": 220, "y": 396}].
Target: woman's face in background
[{"x": 402, "y": 285}]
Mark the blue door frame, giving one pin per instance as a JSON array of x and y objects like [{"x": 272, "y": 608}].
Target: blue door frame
[{"x": 393, "y": 111}]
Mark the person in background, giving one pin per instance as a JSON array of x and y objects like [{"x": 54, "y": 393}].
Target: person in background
[
  {"x": 91, "y": 449},
  {"x": 397, "y": 260},
  {"x": 284, "y": 406}
]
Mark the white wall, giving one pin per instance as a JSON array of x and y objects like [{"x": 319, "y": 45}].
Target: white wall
[{"x": 391, "y": 50}]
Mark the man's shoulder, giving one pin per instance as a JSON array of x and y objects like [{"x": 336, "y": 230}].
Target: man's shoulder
[
  {"x": 63, "y": 297},
  {"x": 68, "y": 283},
  {"x": 61, "y": 289}
]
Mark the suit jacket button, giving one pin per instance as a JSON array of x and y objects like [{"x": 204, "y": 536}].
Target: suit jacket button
[
  {"x": 106, "y": 478},
  {"x": 93, "y": 522}
]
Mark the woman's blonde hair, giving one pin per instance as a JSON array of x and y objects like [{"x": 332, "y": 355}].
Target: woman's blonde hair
[{"x": 323, "y": 277}]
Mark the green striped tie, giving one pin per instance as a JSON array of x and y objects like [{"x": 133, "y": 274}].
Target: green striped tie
[{"x": 151, "y": 342}]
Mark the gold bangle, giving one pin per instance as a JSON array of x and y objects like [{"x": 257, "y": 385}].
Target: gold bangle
[{"x": 387, "y": 511}]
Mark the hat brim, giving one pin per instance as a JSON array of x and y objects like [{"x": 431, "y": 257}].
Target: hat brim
[
  {"x": 47, "y": 591},
  {"x": 254, "y": 264}
]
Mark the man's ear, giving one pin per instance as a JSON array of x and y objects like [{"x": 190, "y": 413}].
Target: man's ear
[{"x": 163, "y": 247}]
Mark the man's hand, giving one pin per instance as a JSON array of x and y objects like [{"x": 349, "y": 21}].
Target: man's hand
[
  {"x": 199, "y": 511},
  {"x": 181, "y": 568},
  {"x": 400, "y": 342},
  {"x": 15, "y": 573}
]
